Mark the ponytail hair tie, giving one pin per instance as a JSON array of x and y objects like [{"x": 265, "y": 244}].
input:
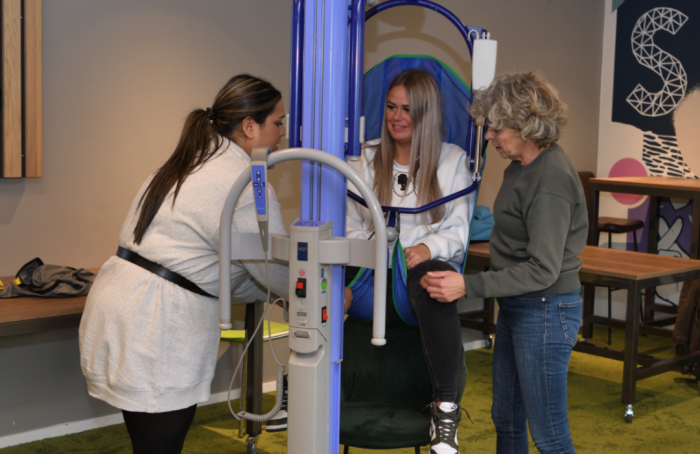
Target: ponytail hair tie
[{"x": 210, "y": 114}]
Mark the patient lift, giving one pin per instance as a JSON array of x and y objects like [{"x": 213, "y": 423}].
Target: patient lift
[{"x": 315, "y": 248}]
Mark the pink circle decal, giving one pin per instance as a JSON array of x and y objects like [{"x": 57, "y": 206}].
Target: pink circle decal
[{"x": 627, "y": 167}]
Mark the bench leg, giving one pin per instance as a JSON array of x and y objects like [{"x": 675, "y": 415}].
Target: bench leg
[
  {"x": 629, "y": 375},
  {"x": 588, "y": 307},
  {"x": 253, "y": 314}
]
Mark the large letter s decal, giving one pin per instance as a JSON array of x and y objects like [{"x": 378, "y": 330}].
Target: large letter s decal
[{"x": 661, "y": 62}]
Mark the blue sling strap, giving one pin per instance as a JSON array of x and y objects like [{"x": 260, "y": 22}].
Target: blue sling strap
[
  {"x": 400, "y": 289},
  {"x": 362, "y": 287}
]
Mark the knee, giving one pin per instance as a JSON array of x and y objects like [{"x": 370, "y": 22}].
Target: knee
[
  {"x": 348, "y": 299},
  {"x": 420, "y": 270},
  {"x": 507, "y": 423},
  {"x": 499, "y": 421}
]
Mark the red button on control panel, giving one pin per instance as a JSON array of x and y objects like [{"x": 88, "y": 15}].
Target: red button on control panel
[
  {"x": 301, "y": 288},
  {"x": 324, "y": 315}
]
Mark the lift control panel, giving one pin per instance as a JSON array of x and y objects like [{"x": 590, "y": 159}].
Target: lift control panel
[
  {"x": 259, "y": 193},
  {"x": 310, "y": 282}
]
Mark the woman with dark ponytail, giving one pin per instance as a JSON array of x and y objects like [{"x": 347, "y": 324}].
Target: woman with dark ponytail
[{"x": 149, "y": 334}]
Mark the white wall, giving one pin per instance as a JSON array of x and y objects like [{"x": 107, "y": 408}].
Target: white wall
[{"x": 120, "y": 76}]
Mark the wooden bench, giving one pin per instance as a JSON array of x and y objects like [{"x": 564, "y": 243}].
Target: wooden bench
[
  {"x": 32, "y": 314},
  {"x": 633, "y": 271}
]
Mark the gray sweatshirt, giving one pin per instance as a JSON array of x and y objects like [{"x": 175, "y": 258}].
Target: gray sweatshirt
[{"x": 541, "y": 228}]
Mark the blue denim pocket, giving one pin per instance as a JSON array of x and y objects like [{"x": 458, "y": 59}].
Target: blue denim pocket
[{"x": 570, "y": 315}]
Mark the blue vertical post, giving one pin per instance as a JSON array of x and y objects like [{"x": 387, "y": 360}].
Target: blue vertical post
[
  {"x": 296, "y": 78},
  {"x": 356, "y": 69},
  {"x": 323, "y": 193}
]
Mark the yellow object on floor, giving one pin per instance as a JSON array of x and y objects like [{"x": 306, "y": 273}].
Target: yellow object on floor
[{"x": 2, "y": 286}]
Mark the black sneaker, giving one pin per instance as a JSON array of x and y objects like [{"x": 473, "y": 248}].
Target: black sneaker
[
  {"x": 278, "y": 423},
  {"x": 443, "y": 428}
]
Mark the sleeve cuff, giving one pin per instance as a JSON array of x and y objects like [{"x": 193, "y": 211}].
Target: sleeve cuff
[
  {"x": 474, "y": 285},
  {"x": 435, "y": 249}
]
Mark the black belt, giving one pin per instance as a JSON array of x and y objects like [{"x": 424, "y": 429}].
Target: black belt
[{"x": 161, "y": 271}]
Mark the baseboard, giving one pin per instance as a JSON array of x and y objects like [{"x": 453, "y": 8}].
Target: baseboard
[
  {"x": 473, "y": 339},
  {"x": 74, "y": 427},
  {"x": 473, "y": 345},
  {"x": 60, "y": 430}
]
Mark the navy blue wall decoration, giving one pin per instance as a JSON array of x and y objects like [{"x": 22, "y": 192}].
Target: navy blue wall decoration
[{"x": 657, "y": 65}]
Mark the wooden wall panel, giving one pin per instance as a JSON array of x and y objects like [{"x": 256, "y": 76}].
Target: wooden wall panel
[
  {"x": 33, "y": 135},
  {"x": 12, "y": 88}
]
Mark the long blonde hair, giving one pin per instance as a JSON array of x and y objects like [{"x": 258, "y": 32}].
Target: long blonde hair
[{"x": 426, "y": 143}]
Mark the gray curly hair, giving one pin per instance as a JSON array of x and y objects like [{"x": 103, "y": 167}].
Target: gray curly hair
[{"x": 524, "y": 101}]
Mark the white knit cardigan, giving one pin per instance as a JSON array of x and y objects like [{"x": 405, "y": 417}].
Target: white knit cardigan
[{"x": 146, "y": 344}]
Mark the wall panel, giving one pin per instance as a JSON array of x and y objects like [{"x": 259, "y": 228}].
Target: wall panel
[
  {"x": 21, "y": 89},
  {"x": 11, "y": 89}
]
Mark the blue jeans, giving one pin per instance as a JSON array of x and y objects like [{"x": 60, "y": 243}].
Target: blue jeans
[{"x": 534, "y": 339}]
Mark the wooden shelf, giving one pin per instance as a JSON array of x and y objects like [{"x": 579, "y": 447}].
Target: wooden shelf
[{"x": 35, "y": 308}]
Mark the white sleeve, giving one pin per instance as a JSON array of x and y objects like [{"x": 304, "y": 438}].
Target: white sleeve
[
  {"x": 358, "y": 223},
  {"x": 448, "y": 239},
  {"x": 245, "y": 221},
  {"x": 355, "y": 223}
]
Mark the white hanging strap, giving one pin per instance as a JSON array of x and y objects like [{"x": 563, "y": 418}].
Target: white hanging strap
[{"x": 483, "y": 63}]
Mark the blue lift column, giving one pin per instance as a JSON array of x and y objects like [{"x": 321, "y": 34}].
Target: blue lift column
[{"x": 323, "y": 195}]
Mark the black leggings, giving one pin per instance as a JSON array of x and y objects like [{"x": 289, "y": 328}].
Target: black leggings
[
  {"x": 159, "y": 433},
  {"x": 441, "y": 332}
]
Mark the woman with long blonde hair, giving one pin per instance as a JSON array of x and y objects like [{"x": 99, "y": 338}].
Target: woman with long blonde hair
[{"x": 410, "y": 166}]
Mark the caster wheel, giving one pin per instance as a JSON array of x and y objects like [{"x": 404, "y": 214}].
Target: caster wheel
[
  {"x": 489, "y": 342},
  {"x": 251, "y": 449},
  {"x": 629, "y": 418}
]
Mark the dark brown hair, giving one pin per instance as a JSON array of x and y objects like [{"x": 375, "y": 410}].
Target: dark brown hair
[{"x": 203, "y": 135}]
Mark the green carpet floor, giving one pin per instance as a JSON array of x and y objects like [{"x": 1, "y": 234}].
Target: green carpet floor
[{"x": 667, "y": 415}]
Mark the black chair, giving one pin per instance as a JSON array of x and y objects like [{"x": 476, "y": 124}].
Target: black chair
[
  {"x": 385, "y": 390},
  {"x": 610, "y": 225}
]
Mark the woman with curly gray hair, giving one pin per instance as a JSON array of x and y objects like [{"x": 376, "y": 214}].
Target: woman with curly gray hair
[{"x": 541, "y": 228}]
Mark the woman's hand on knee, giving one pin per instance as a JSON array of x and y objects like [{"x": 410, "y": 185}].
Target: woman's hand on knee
[
  {"x": 444, "y": 286},
  {"x": 416, "y": 254}
]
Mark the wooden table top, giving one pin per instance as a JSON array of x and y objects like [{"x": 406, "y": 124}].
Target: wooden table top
[
  {"x": 675, "y": 183},
  {"x": 596, "y": 260},
  {"x": 616, "y": 263},
  {"x": 33, "y": 308}
]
